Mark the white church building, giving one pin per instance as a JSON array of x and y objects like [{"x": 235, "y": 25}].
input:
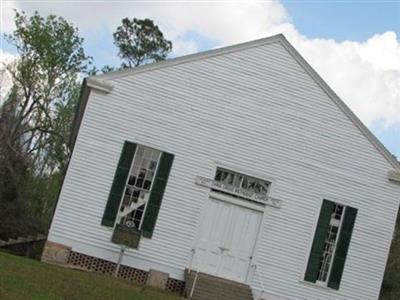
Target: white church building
[{"x": 236, "y": 170}]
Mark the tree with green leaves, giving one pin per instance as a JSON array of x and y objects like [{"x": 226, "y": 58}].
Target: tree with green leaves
[
  {"x": 140, "y": 42},
  {"x": 37, "y": 114},
  {"x": 390, "y": 286}
]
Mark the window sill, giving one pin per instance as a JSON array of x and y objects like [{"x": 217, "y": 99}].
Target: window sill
[{"x": 316, "y": 285}]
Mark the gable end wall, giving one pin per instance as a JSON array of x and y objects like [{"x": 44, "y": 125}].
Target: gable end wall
[{"x": 256, "y": 110}]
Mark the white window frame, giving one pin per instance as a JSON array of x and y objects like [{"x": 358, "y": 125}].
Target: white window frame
[
  {"x": 119, "y": 219},
  {"x": 325, "y": 283}
]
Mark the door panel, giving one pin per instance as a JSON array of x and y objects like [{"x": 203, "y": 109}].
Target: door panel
[
  {"x": 226, "y": 241},
  {"x": 213, "y": 231}
]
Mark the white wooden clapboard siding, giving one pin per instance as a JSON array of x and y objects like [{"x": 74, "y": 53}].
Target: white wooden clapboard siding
[{"x": 255, "y": 110}]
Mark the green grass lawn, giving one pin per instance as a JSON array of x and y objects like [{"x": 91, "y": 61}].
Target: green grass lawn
[{"x": 22, "y": 278}]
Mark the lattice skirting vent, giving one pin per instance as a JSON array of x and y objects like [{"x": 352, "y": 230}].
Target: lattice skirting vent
[
  {"x": 175, "y": 285},
  {"x": 99, "y": 265}
]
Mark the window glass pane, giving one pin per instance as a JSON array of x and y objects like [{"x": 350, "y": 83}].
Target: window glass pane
[
  {"x": 126, "y": 200},
  {"x": 244, "y": 183},
  {"x": 143, "y": 194},
  {"x": 135, "y": 194},
  {"x": 218, "y": 175},
  {"x": 223, "y": 176},
  {"x": 148, "y": 180},
  {"x": 145, "y": 163},
  {"x": 138, "y": 216},
  {"x": 153, "y": 164},
  {"x": 155, "y": 155},
  {"x": 139, "y": 151},
  {"x": 140, "y": 179},
  {"x": 132, "y": 180},
  {"x": 238, "y": 180}
]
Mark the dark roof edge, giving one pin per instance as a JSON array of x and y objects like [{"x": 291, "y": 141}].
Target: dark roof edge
[{"x": 80, "y": 110}]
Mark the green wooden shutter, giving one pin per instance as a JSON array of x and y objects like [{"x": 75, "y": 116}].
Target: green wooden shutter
[
  {"x": 319, "y": 241},
  {"x": 156, "y": 195},
  {"x": 118, "y": 185},
  {"x": 342, "y": 247}
]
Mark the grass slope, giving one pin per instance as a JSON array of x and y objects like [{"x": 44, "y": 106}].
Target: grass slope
[{"x": 22, "y": 278}]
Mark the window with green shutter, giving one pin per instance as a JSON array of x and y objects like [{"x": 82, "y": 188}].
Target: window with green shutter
[
  {"x": 138, "y": 188},
  {"x": 330, "y": 244}
]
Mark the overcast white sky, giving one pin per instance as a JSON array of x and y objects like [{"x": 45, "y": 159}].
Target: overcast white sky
[{"x": 365, "y": 73}]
